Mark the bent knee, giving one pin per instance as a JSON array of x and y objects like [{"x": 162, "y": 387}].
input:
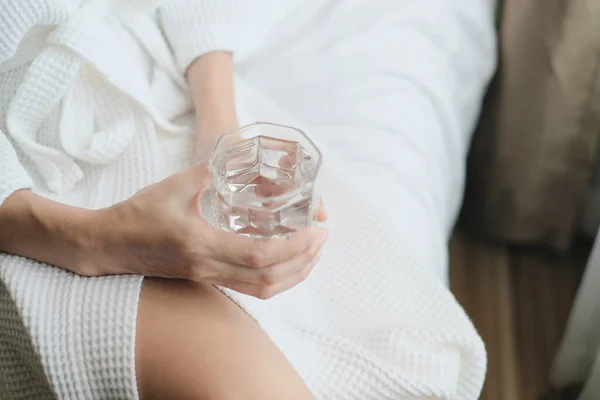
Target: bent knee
[{"x": 194, "y": 343}]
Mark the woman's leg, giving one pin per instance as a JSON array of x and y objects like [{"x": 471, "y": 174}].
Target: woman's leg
[{"x": 194, "y": 343}]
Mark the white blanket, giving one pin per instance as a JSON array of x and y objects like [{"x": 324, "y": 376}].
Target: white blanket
[
  {"x": 393, "y": 118},
  {"x": 390, "y": 91}
]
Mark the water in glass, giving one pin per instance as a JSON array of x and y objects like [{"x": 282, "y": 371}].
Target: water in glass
[{"x": 267, "y": 187}]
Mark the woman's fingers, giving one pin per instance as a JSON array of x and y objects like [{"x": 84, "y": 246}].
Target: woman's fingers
[
  {"x": 320, "y": 215},
  {"x": 266, "y": 291},
  {"x": 192, "y": 181},
  {"x": 235, "y": 249},
  {"x": 288, "y": 161},
  {"x": 270, "y": 275}
]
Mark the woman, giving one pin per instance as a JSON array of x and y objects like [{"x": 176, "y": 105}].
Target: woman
[{"x": 95, "y": 101}]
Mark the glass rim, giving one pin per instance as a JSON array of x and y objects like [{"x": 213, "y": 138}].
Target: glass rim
[{"x": 281, "y": 197}]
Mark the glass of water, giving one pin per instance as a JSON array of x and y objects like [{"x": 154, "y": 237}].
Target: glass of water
[{"x": 264, "y": 179}]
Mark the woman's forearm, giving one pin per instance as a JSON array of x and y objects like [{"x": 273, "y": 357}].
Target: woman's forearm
[
  {"x": 211, "y": 81},
  {"x": 35, "y": 227}
]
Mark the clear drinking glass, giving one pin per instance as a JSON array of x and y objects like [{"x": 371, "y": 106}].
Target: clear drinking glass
[{"x": 264, "y": 179}]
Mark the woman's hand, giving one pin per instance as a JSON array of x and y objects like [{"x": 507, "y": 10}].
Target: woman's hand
[{"x": 160, "y": 232}]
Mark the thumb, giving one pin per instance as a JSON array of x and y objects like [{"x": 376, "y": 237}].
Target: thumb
[
  {"x": 198, "y": 183},
  {"x": 198, "y": 178}
]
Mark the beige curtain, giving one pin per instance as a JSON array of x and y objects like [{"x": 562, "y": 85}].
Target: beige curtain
[
  {"x": 578, "y": 359},
  {"x": 533, "y": 152}
]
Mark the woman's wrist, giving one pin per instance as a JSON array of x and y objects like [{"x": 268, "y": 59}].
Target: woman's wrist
[{"x": 50, "y": 232}]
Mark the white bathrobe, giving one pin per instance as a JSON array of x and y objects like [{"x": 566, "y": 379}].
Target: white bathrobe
[{"x": 94, "y": 106}]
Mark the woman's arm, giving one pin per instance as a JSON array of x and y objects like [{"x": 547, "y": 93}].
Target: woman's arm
[
  {"x": 211, "y": 81},
  {"x": 44, "y": 230},
  {"x": 158, "y": 232}
]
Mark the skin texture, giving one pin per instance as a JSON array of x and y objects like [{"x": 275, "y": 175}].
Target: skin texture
[
  {"x": 210, "y": 79},
  {"x": 192, "y": 341},
  {"x": 205, "y": 347}
]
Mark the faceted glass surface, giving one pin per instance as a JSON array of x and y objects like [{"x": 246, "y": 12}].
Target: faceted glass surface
[{"x": 264, "y": 178}]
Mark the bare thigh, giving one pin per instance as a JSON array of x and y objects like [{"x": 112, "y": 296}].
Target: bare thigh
[{"x": 194, "y": 343}]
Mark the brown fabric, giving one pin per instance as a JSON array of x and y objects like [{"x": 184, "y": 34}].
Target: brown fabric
[{"x": 535, "y": 146}]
